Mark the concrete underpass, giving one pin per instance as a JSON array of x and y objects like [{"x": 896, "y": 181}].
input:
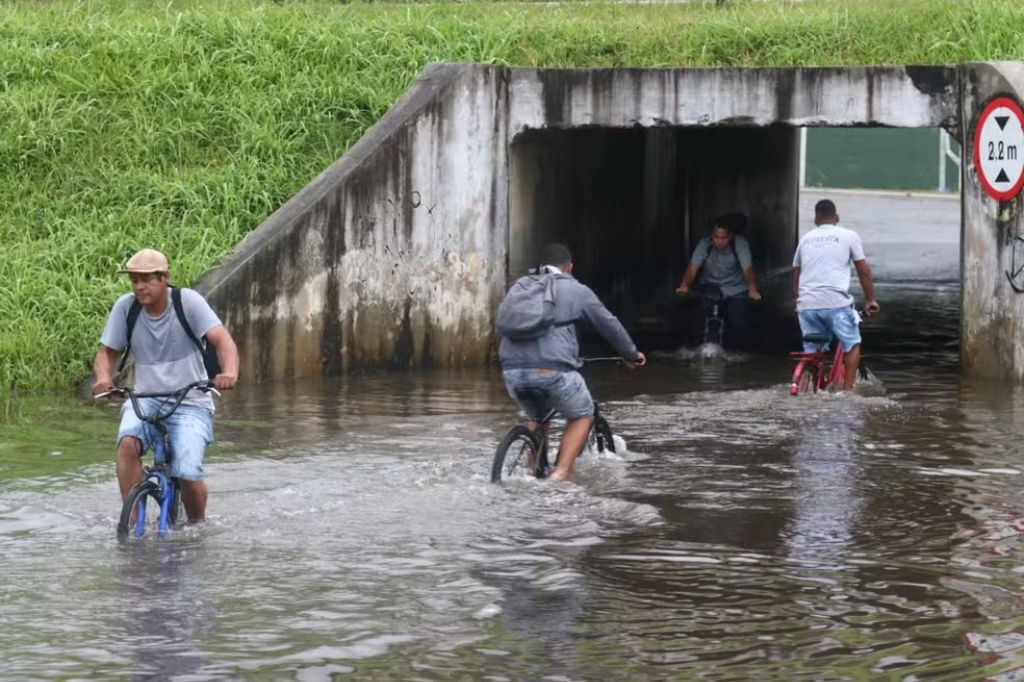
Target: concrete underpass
[{"x": 398, "y": 254}]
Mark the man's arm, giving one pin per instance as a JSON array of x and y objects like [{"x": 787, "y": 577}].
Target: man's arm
[
  {"x": 741, "y": 248},
  {"x": 796, "y": 282},
  {"x": 697, "y": 258},
  {"x": 227, "y": 354},
  {"x": 610, "y": 329},
  {"x": 864, "y": 275},
  {"x": 688, "y": 277},
  {"x": 103, "y": 369},
  {"x": 748, "y": 274}
]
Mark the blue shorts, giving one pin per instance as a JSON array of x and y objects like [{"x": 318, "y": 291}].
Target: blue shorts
[
  {"x": 190, "y": 429},
  {"x": 841, "y": 322},
  {"x": 566, "y": 392}
]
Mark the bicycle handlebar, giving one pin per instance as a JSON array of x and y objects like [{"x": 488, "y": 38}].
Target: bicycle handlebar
[
  {"x": 179, "y": 395},
  {"x": 609, "y": 358}
]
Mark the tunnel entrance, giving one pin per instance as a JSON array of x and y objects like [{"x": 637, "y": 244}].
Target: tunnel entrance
[
  {"x": 633, "y": 203},
  {"x": 400, "y": 252}
]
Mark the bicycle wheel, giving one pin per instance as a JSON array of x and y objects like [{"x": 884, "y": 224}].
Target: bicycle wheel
[
  {"x": 176, "y": 511},
  {"x": 603, "y": 435},
  {"x": 138, "y": 505},
  {"x": 804, "y": 378},
  {"x": 516, "y": 456}
]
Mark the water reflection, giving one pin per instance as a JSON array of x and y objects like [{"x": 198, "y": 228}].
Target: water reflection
[
  {"x": 159, "y": 608},
  {"x": 827, "y": 499}
]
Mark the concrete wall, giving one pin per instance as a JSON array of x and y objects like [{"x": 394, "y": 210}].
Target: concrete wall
[
  {"x": 395, "y": 255},
  {"x": 398, "y": 253},
  {"x": 894, "y": 96},
  {"x": 991, "y": 311}
]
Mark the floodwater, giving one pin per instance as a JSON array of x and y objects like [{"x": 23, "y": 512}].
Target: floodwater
[{"x": 743, "y": 535}]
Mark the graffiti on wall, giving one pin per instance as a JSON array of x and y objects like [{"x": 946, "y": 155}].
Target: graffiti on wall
[{"x": 1015, "y": 273}]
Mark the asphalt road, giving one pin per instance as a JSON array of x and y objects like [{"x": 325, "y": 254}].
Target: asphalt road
[{"x": 907, "y": 237}]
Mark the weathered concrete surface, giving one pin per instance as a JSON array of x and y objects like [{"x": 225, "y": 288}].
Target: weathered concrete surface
[
  {"x": 992, "y": 312},
  {"x": 909, "y": 97},
  {"x": 394, "y": 255},
  {"x": 398, "y": 253}
]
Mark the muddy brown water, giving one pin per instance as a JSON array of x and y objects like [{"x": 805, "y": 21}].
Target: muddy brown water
[{"x": 742, "y": 535}]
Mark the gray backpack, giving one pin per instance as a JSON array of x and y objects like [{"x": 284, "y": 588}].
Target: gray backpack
[{"x": 528, "y": 311}]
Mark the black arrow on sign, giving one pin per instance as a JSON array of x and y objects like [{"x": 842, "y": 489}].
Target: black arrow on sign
[
  {"x": 1002, "y": 177},
  {"x": 1001, "y": 120}
]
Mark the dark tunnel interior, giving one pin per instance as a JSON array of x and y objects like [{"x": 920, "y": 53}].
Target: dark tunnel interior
[{"x": 633, "y": 203}]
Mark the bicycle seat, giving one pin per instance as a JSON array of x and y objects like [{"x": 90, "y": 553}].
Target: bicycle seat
[
  {"x": 534, "y": 400},
  {"x": 816, "y": 338}
]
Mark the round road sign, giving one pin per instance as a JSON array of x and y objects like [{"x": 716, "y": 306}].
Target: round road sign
[{"x": 999, "y": 148}]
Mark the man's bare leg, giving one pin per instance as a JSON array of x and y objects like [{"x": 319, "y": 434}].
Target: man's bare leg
[
  {"x": 573, "y": 439},
  {"x": 193, "y": 495},
  {"x": 851, "y": 361},
  {"x": 129, "y": 464}
]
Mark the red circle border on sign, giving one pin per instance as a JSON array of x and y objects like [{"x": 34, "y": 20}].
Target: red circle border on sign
[{"x": 989, "y": 108}]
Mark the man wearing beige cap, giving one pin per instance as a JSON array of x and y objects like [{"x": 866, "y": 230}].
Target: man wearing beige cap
[{"x": 161, "y": 328}]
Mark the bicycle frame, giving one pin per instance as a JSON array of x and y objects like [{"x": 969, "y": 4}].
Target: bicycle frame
[
  {"x": 541, "y": 433},
  {"x": 714, "y": 323},
  {"x": 537, "y": 429},
  {"x": 159, "y": 472},
  {"x": 815, "y": 361},
  {"x": 714, "y": 320}
]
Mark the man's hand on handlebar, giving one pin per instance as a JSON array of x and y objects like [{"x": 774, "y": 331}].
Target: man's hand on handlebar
[
  {"x": 102, "y": 386},
  {"x": 639, "y": 361},
  {"x": 225, "y": 382}
]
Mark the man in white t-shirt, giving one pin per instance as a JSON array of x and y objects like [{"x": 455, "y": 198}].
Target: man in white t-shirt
[{"x": 821, "y": 285}]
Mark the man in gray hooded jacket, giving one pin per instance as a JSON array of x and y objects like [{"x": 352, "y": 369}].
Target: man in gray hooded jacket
[{"x": 550, "y": 362}]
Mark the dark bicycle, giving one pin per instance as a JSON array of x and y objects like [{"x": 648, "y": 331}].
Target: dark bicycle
[
  {"x": 157, "y": 482},
  {"x": 525, "y": 449},
  {"x": 714, "y": 321},
  {"x": 713, "y": 306}
]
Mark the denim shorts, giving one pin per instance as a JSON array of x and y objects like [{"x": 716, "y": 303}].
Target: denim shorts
[
  {"x": 566, "y": 392},
  {"x": 842, "y": 322},
  {"x": 190, "y": 429}
]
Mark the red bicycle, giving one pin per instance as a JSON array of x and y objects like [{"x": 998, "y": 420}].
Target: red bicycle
[{"x": 809, "y": 370}]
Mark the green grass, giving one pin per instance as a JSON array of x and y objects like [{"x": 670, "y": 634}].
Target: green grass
[{"x": 182, "y": 125}]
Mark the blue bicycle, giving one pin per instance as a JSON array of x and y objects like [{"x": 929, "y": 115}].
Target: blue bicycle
[{"x": 157, "y": 482}]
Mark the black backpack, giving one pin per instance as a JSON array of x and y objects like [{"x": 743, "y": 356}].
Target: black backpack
[{"x": 208, "y": 352}]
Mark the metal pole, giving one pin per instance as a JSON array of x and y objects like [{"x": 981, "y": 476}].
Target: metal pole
[{"x": 803, "y": 157}]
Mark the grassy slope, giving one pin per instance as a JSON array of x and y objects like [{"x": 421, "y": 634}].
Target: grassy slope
[{"x": 182, "y": 125}]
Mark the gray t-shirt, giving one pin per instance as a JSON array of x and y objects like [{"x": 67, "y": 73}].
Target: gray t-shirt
[
  {"x": 721, "y": 267},
  {"x": 824, "y": 256},
  {"x": 165, "y": 357}
]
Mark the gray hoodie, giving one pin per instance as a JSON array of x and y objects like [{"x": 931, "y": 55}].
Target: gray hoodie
[{"x": 559, "y": 349}]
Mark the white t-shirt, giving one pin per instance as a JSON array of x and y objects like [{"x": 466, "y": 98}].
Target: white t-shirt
[{"x": 824, "y": 256}]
